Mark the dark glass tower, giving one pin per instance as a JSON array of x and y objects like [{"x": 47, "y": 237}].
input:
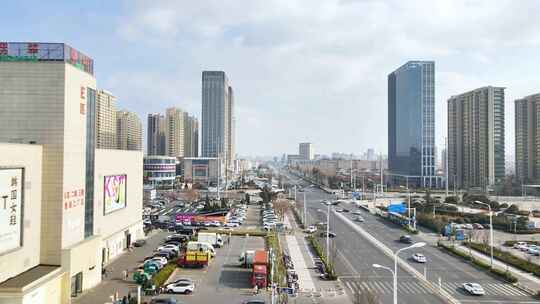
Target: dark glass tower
[{"x": 411, "y": 123}]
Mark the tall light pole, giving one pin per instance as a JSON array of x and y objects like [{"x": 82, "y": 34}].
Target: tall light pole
[
  {"x": 415, "y": 245},
  {"x": 490, "y": 228},
  {"x": 446, "y": 162},
  {"x": 393, "y": 276}
]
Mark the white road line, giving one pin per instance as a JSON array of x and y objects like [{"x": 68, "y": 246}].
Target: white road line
[
  {"x": 512, "y": 290},
  {"x": 357, "y": 285},
  {"x": 366, "y": 286},
  {"x": 388, "y": 286},
  {"x": 448, "y": 288},
  {"x": 416, "y": 288},
  {"x": 349, "y": 285},
  {"x": 404, "y": 288},
  {"x": 374, "y": 283}
]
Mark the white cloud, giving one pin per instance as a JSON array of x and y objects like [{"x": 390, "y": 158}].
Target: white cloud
[{"x": 317, "y": 69}]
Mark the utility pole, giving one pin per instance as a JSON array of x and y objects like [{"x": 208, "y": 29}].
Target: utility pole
[
  {"x": 305, "y": 213},
  {"x": 381, "y": 164}
]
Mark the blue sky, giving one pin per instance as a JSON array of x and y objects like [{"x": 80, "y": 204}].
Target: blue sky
[{"x": 302, "y": 70}]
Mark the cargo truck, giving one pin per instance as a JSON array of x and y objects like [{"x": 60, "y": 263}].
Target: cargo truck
[
  {"x": 246, "y": 258},
  {"x": 197, "y": 254},
  {"x": 212, "y": 238},
  {"x": 260, "y": 265}
]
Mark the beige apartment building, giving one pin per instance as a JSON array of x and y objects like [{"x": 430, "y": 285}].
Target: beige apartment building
[
  {"x": 128, "y": 131},
  {"x": 527, "y": 138},
  {"x": 191, "y": 136},
  {"x": 83, "y": 209},
  {"x": 105, "y": 120},
  {"x": 174, "y": 138},
  {"x": 476, "y": 138}
]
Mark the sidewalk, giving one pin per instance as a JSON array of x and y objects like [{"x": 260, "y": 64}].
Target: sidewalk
[
  {"x": 312, "y": 289},
  {"x": 114, "y": 282}
]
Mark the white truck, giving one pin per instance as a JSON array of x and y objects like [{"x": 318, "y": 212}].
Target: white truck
[
  {"x": 246, "y": 258},
  {"x": 209, "y": 237}
]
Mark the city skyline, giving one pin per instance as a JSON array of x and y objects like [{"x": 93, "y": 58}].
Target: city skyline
[{"x": 324, "y": 72}]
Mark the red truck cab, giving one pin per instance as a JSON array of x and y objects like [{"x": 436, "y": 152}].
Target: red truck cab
[{"x": 260, "y": 272}]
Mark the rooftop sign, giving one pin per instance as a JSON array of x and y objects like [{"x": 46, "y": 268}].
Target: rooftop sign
[{"x": 36, "y": 51}]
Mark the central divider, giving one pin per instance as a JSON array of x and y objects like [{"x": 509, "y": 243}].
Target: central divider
[{"x": 438, "y": 291}]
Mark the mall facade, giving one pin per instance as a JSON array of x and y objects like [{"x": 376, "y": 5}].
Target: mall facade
[{"x": 66, "y": 208}]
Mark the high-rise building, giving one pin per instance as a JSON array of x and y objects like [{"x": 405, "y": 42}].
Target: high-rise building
[
  {"x": 191, "y": 137},
  {"x": 129, "y": 131},
  {"x": 305, "y": 150},
  {"x": 105, "y": 120},
  {"x": 476, "y": 138},
  {"x": 370, "y": 155},
  {"x": 217, "y": 116},
  {"x": 155, "y": 144},
  {"x": 174, "y": 138},
  {"x": 527, "y": 138},
  {"x": 411, "y": 123},
  {"x": 68, "y": 211}
]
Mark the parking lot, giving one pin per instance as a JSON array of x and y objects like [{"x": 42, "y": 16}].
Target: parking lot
[{"x": 224, "y": 278}]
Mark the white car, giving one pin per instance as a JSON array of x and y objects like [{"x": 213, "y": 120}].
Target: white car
[
  {"x": 518, "y": 245},
  {"x": 533, "y": 250},
  {"x": 232, "y": 225},
  {"x": 160, "y": 260},
  {"x": 358, "y": 219},
  {"x": 181, "y": 287},
  {"x": 311, "y": 229},
  {"x": 474, "y": 289},
  {"x": 419, "y": 258},
  {"x": 180, "y": 280},
  {"x": 357, "y": 212},
  {"x": 168, "y": 246}
]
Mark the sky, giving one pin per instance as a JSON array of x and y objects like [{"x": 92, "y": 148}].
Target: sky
[{"x": 302, "y": 70}]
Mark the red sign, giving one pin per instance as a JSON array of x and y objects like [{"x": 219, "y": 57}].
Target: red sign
[
  {"x": 3, "y": 48},
  {"x": 33, "y": 48},
  {"x": 73, "y": 199}
]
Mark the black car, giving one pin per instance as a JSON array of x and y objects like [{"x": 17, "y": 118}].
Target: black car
[
  {"x": 405, "y": 239},
  {"x": 164, "y": 301},
  {"x": 330, "y": 234},
  {"x": 346, "y": 210},
  {"x": 255, "y": 301},
  {"x": 166, "y": 254},
  {"x": 139, "y": 243}
]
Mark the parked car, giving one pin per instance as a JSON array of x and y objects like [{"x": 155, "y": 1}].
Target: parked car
[
  {"x": 358, "y": 219},
  {"x": 330, "y": 234},
  {"x": 533, "y": 249},
  {"x": 181, "y": 287},
  {"x": 474, "y": 289},
  {"x": 357, "y": 212},
  {"x": 311, "y": 229},
  {"x": 254, "y": 301},
  {"x": 519, "y": 245},
  {"x": 339, "y": 209},
  {"x": 478, "y": 226},
  {"x": 468, "y": 226},
  {"x": 405, "y": 239},
  {"x": 163, "y": 301},
  {"x": 419, "y": 258},
  {"x": 139, "y": 243}
]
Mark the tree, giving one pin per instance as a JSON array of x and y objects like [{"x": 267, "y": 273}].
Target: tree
[
  {"x": 247, "y": 198},
  {"x": 512, "y": 209},
  {"x": 451, "y": 200}
]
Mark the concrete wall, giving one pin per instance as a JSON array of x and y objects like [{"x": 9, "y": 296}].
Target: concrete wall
[{"x": 27, "y": 256}]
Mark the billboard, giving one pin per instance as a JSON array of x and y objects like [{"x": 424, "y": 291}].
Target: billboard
[
  {"x": 114, "y": 192},
  {"x": 11, "y": 200}
]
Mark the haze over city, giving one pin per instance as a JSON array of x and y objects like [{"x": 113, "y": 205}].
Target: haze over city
[{"x": 302, "y": 70}]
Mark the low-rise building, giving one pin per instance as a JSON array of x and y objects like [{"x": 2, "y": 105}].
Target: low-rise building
[
  {"x": 159, "y": 171},
  {"x": 203, "y": 170}
]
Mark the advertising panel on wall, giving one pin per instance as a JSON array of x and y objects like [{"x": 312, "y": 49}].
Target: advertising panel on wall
[
  {"x": 114, "y": 192},
  {"x": 11, "y": 200}
]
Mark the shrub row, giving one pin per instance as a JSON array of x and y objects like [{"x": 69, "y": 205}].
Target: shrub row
[
  {"x": 479, "y": 263},
  {"x": 298, "y": 218},
  {"x": 272, "y": 241},
  {"x": 319, "y": 251},
  {"x": 161, "y": 277},
  {"x": 508, "y": 258}
]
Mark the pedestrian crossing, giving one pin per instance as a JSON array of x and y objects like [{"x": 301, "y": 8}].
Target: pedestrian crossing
[{"x": 414, "y": 288}]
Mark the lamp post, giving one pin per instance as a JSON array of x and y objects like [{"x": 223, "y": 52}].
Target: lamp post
[
  {"x": 393, "y": 276},
  {"x": 394, "y": 273},
  {"x": 327, "y": 236},
  {"x": 490, "y": 228}
]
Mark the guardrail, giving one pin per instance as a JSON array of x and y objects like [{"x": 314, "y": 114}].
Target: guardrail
[{"x": 436, "y": 290}]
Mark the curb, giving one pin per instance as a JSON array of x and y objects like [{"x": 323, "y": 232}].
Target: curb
[{"x": 439, "y": 292}]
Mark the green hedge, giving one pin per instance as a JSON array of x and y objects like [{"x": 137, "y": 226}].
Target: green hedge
[
  {"x": 272, "y": 241},
  {"x": 318, "y": 249},
  {"x": 241, "y": 232},
  {"x": 298, "y": 218},
  {"x": 161, "y": 277},
  {"x": 479, "y": 263},
  {"x": 508, "y": 258}
]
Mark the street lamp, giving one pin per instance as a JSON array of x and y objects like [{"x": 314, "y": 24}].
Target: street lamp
[
  {"x": 415, "y": 245},
  {"x": 393, "y": 276},
  {"x": 490, "y": 228}
]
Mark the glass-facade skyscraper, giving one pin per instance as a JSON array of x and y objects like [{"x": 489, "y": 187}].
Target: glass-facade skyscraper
[{"x": 411, "y": 123}]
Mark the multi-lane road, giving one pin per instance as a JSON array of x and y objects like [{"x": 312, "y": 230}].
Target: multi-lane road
[{"x": 354, "y": 256}]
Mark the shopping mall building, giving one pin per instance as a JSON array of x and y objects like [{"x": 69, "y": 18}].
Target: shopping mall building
[{"x": 66, "y": 208}]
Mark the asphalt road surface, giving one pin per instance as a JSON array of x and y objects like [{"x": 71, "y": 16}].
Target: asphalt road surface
[{"x": 354, "y": 256}]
